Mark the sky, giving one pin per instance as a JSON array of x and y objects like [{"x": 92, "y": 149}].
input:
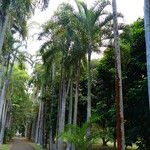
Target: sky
[{"x": 131, "y": 10}]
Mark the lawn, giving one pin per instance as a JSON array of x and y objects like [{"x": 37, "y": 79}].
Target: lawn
[
  {"x": 5, "y": 147},
  {"x": 99, "y": 147},
  {"x": 110, "y": 147},
  {"x": 94, "y": 147},
  {"x": 37, "y": 147}
]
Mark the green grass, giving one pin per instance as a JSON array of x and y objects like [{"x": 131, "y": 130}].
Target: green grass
[
  {"x": 37, "y": 147},
  {"x": 94, "y": 147},
  {"x": 5, "y": 147},
  {"x": 100, "y": 147}
]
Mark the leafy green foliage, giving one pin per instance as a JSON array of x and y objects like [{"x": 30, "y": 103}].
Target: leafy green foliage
[
  {"x": 134, "y": 87},
  {"x": 21, "y": 103},
  {"x": 5, "y": 147},
  {"x": 77, "y": 135}
]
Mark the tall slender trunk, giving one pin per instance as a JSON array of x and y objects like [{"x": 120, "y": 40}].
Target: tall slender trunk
[
  {"x": 41, "y": 127},
  {"x": 76, "y": 94},
  {"x": 51, "y": 127},
  {"x": 3, "y": 25},
  {"x": 42, "y": 116},
  {"x": 89, "y": 86},
  {"x": 63, "y": 110},
  {"x": 30, "y": 131},
  {"x": 2, "y": 100},
  {"x": 38, "y": 124},
  {"x": 1, "y": 75},
  {"x": 88, "y": 132},
  {"x": 44, "y": 126},
  {"x": 5, "y": 86},
  {"x": 70, "y": 111},
  {"x": 147, "y": 38},
  {"x": 76, "y": 98},
  {"x": 63, "y": 107},
  {"x": 33, "y": 129},
  {"x": 59, "y": 111},
  {"x": 51, "y": 109},
  {"x": 119, "y": 97},
  {"x": 26, "y": 129},
  {"x": 70, "y": 103},
  {"x": 9, "y": 117},
  {"x": 4, "y": 114}
]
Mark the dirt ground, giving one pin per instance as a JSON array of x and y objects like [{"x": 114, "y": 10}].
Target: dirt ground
[{"x": 21, "y": 144}]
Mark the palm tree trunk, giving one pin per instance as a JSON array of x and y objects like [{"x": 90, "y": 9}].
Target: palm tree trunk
[
  {"x": 38, "y": 124},
  {"x": 89, "y": 86},
  {"x": 51, "y": 109},
  {"x": 1, "y": 74},
  {"x": 5, "y": 86},
  {"x": 59, "y": 111},
  {"x": 119, "y": 97},
  {"x": 88, "y": 133},
  {"x": 63, "y": 110},
  {"x": 70, "y": 103},
  {"x": 76, "y": 95},
  {"x": 147, "y": 38},
  {"x": 4, "y": 114},
  {"x": 26, "y": 129},
  {"x": 2, "y": 100},
  {"x": 51, "y": 128},
  {"x": 70, "y": 111},
  {"x": 9, "y": 116},
  {"x": 45, "y": 131},
  {"x": 3, "y": 25},
  {"x": 41, "y": 131},
  {"x": 33, "y": 129}
]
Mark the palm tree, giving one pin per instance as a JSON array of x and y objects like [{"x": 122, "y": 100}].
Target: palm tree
[
  {"x": 52, "y": 51},
  {"x": 14, "y": 17},
  {"x": 70, "y": 35},
  {"x": 17, "y": 24},
  {"x": 39, "y": 81},
  {"x": 147, "y": 38},
  {"x": 21, "y": 9},
  {"x": 119, "y": 97},
  {"x": 3, "y": 22},
  {"x": 3, "y": 104},
  {"x": 93, "y": 21}
]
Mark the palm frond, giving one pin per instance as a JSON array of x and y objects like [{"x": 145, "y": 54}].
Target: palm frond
[
  {"x": 108, "y": 19},
  {"x": 100, "y": 10}
]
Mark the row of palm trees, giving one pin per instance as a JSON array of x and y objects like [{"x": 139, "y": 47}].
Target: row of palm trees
[
  {"x": 10, "y": 24},
  {"x": 13, "y": 32},
  {"x": 71, "y": 36}
]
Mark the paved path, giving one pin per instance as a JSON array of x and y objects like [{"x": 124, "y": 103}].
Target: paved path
[{"x": 21, "y": 144}]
